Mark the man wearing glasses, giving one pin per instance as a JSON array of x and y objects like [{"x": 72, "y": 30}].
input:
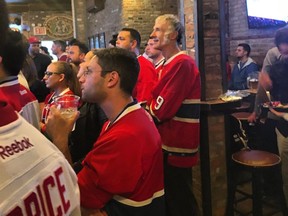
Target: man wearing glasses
[{"x": 123, "y": 173}]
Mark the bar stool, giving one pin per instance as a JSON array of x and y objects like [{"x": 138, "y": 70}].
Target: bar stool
[{"x": 256, "y": 161}]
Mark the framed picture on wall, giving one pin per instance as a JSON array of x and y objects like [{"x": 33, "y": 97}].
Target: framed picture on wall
[
  {"x": 102, "y": 40},
  {"x": 96, "y": 38}
]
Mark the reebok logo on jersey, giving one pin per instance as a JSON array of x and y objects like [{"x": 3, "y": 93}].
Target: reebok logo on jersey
[{"x": 15, "y": 148}]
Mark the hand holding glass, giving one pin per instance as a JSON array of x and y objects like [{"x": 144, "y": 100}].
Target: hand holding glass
[{"x": 67, "y": 104}]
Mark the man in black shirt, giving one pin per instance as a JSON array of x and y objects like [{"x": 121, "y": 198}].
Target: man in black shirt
[{"x": 41, "y": 61}]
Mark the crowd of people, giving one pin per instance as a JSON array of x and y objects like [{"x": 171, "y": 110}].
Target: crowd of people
[
  {"x": 130, "y": 148},
  {"x": 121, "y": 153}
]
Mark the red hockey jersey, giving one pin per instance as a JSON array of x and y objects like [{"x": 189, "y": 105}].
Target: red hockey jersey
[{"x": 175, "y": 103}]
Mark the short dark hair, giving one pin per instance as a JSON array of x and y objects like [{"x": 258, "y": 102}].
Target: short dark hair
[
  {"x": 82, "y": 47},
  {"x": 60, "y": 43},
  {"x": 122, "y": 61},
  {"x": 14, "y": 53},
  {"x": 281, "y": 36},
  {"x": 72, "y": 41},
  {"x": 246, "y": 47},
  {"x": 3, "y": 24},
  {"x": 113, "y": 42},
  {"x": 45, "y": 49},
  {"x": 135, "y": 35}
]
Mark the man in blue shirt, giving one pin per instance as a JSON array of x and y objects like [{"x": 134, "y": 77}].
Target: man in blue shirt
[{"x": 243, "y": 68}]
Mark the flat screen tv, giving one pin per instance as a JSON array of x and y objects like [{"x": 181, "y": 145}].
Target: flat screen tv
[{"x": 267, "y": 13}]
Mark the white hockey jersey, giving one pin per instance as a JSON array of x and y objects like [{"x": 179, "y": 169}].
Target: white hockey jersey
[{"x": 35, "y": 177}]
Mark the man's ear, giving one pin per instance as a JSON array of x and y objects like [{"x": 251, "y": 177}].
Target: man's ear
[
  {"x": 82, "y": 56},
  {"x": 133, "y": 44},
  {"x": 113, "y": 78},
  {"x": 0, "y": 59},
  {"x": 173, "y": 35}
]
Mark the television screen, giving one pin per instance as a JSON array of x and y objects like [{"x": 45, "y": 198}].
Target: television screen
[{"x": 267, "y": 13}]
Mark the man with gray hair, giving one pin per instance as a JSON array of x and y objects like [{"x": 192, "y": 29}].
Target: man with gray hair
[
  {"x": 58, "y": 48},
  {"x": 175, "y": 105}
]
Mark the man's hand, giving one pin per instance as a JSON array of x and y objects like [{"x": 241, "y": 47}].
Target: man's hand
[
  {"x": 252, "y": 118},
  {"x": 58, "y": 128},
  {"x": 57, "y": 125}
]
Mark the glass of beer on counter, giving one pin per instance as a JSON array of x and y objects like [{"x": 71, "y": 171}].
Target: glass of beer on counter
[{"x": 252, "y": 80}]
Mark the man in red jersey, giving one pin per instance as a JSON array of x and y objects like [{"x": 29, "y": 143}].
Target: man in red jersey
[
  {"x": 123, "y": 173},
  {"x": 175, "y": 105},
  {"x": 130, "y": 39},
  {"x": 154, "y": 54},
  {"x": 21, "y": 99}
]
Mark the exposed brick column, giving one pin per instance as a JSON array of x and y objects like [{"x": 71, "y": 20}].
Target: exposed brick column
[{"x": 80, "y": 19}]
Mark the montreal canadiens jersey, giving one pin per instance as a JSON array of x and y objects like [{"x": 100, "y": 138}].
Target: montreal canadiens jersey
[{"x": 35, "y": 177}]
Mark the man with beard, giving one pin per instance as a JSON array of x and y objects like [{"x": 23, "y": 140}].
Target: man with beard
[
  {"x": 77, "y": 52},
  {"x": 41, "y": 61}
]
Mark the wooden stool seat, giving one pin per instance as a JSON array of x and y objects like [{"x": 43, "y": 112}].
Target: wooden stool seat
[
  {"x": 241, "y": 115},
  {"x": 256, "y": 158},
  {"x": 257, "y": 161}
]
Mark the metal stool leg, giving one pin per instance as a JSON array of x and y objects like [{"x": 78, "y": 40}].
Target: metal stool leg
[{"x": 256, "y": 188}]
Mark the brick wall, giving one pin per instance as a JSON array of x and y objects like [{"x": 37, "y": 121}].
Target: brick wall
[
  {"x": 107, "y": 20},
  {"x": 189, "y": 27},
  {"x": 138, "y": 14}
]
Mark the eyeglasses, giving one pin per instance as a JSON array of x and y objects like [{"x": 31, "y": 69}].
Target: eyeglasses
[{"x": 48, "y": 73}]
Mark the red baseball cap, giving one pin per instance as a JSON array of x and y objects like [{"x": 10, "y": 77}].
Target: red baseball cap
[{"x": 33, "y": 39}]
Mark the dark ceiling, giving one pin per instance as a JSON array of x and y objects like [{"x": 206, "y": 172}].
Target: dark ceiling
[{"x": 20, "y": 6}]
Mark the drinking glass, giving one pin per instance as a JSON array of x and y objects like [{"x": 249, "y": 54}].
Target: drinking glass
[
  {"x": 252, "y": 80},
  {"x": 67, "y": 104}
]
